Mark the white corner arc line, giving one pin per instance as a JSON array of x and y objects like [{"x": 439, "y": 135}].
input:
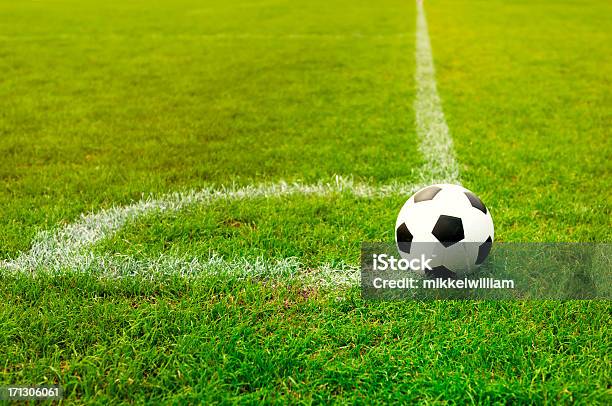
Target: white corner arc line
[{"x": 69, "y": 248}]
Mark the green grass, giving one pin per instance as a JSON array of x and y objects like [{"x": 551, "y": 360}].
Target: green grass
[
  {"x": 317, "y": 230},
  {"x": 527, "y": 95},
  {"x": 231, "y": 340},
  {"x": 102, "y": 102}
]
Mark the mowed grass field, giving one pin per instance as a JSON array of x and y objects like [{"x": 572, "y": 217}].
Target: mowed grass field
[{"x": 104, "y": 103}]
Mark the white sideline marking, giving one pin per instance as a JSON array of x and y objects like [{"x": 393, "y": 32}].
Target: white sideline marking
[
  {"x": 69, "y": 248},
  {"x": 436, "y": 142}
]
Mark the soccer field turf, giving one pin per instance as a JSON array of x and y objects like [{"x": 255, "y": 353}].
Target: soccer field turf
[{"x": 103, "y": 104}]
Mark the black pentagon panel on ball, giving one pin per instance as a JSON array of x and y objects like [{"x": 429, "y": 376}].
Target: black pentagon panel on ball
[
  {"x": 441, "y": 272},
  {"x": 448, "y": 230},
  {"x": 483, "y": 250},
  {"x": 426, "y": 194},
  {"x": 404, "y": 238},
  {"x": 476, "y": 202}
]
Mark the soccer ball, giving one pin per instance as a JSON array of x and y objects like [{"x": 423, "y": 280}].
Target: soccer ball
[{"x": 447, "y": 223}]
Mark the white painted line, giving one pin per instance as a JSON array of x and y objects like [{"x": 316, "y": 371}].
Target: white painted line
[
  {"x": 436, "y": 143},
  {"x": 69, "y": 247}
]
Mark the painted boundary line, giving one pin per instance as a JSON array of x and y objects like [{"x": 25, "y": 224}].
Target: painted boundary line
[
  {"x": 436, "y": 144},
  {"x": 69, "y": 248}
]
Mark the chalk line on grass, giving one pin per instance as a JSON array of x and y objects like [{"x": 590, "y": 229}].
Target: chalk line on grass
[
  {"x": 436, "y": 144},
  {"x": 70, "y": 248}
]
